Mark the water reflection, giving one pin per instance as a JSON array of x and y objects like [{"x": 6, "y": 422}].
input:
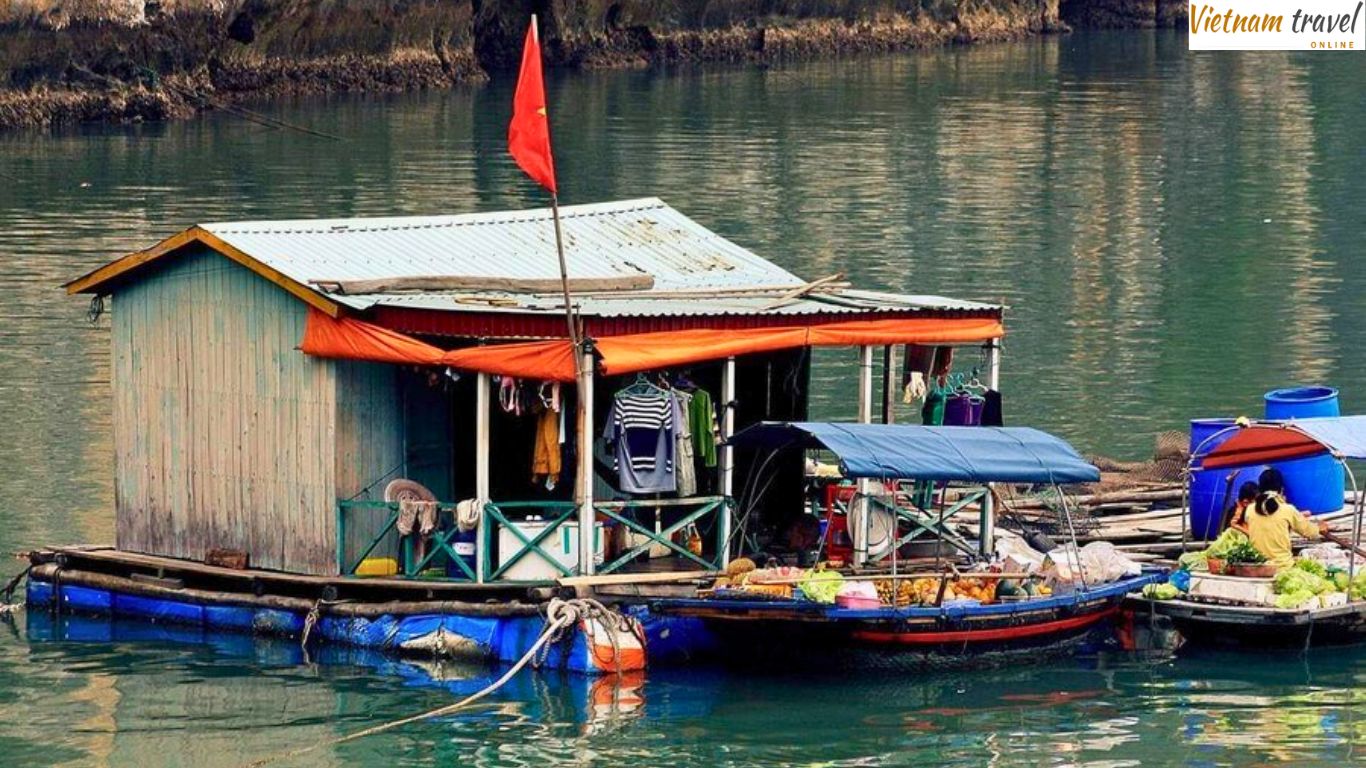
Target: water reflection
[{"x": 129, "y": 693}]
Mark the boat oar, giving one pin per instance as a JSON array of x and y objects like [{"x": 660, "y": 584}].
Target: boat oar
[{"x": 1344, "y": 543}]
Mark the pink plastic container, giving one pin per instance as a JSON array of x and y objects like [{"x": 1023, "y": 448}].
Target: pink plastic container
[{"x": 854, "y": 601}]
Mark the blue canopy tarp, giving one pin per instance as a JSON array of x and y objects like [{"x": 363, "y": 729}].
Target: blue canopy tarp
[
  {"x": 1263, "y": 442},
  {"x": 950, "y": 454}
]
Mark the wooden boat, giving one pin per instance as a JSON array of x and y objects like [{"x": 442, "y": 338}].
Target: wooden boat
[
  {"x": 774, "y": 630},
  {"x": 1253, "y": 626},
  {"x": 781, "y": 631},
  {"x": 1254, "y": 443}
]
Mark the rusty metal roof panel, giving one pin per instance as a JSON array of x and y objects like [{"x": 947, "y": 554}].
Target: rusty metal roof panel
[
  {"x": 616, "y": 239},
  {"x": 639, "y": 306}
]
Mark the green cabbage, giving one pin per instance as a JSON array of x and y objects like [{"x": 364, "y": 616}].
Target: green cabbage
[
  {"x": 822, "y": 586},
  {"x": 1161, "y": 591},
  {"x": 1292, "y": 580},
  {"x": 1358, "y": 589},
  {"x": 1193, "y": 561},
  {"x": 1228, "y": 541},
  {"x": 1295, "y": 599},
  {"x": 1311, "y": 566}
]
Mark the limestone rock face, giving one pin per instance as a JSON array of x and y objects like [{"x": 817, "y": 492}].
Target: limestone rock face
[{"x": 68, "y": 60}]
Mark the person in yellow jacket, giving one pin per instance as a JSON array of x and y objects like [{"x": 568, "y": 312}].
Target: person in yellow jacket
[{"x": 1272, "y": 519}]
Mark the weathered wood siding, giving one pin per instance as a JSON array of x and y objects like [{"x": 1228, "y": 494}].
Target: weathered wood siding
[
  {"x": 369, "y": 447},
  {"x": 227, "y": 436}
]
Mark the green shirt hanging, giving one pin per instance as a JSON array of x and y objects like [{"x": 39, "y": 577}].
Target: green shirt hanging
[{"x": 702, "y": 424}]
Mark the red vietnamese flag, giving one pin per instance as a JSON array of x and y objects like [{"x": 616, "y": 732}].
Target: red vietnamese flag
[{"x": 529, "y": 131}]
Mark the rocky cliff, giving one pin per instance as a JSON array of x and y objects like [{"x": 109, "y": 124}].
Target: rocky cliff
[{"x": 72, "y": 60}]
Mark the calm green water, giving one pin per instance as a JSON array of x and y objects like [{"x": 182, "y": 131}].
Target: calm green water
[{"x": 1175, "y": 235}]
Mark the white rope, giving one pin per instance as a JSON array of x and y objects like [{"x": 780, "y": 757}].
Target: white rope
[{"x": 560, "y": 615}]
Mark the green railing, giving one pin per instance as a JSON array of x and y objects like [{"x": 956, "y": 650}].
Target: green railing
[
  {"x": 555, "y": 514},
  {"x": 702, "y": 506},
  {"x": 409, "y": 564},
  {"x": 561, "y": 512}
]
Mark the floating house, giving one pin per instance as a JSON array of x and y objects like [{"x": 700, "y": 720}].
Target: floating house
[{"x": 272, "y": 379}]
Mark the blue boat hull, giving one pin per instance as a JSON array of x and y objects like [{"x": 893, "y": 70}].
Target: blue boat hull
[{"x": 499, "y": 639}]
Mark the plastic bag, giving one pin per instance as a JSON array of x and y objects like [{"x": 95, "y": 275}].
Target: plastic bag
[
  {"x": 1328, "y": 555},
  {"x": 1016, "y": 556},
  {"x": 1100, "y": 563}
]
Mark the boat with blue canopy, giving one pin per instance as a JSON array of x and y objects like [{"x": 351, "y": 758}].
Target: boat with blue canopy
[
  {"x": 902, "y": 484},
  {"x": 1229, "y": 609}
]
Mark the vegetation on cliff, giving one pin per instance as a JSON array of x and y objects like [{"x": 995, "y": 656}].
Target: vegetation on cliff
[{"x": 78, "y": 60}]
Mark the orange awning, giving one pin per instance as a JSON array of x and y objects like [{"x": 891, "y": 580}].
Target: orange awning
[
  {"x": 553, "y": 360},
  {"x": 351, "y": 339},
  {"x": 542, "y": 360}
]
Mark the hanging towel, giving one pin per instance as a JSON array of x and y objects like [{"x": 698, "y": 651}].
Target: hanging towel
[
  {"x": 640, "y": 432},
  {"x": 416, "y": 515}
]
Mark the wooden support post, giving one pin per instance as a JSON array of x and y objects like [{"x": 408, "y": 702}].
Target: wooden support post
[
  {"x": 889, "y": 384},
  {"x": 583, "y": 486},
  {"x": 727, "y": 468},
  {"x": 481, "y": 471},
  {"x": 986, "y": 524},
  {"x": 865, "y": 416}
]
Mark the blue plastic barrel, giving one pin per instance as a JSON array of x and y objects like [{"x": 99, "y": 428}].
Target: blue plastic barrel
[
  {"x": 1210, "y": 491},
  {"x": 464, "y": 543},
  {"x": 1313, "y": 485},
  {"x": 1302, "y": 403}
]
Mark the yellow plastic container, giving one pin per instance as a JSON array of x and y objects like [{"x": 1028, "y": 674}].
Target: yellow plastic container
[{"x": 377, "y": 566}]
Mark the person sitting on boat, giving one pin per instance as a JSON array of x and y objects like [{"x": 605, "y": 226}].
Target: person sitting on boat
[
  {"x": 1235, "y": 516},
  {"x": 1272, "y": 520}
]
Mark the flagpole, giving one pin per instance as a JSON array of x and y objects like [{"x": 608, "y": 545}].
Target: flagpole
[
  {"x": 529, "y": 144},
  {"x": 564, "y": 286}
]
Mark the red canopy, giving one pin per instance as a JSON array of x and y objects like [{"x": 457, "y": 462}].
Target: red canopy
[
  {"x": 1262, "y": 444},
  {"x": 553, "y": 360}
]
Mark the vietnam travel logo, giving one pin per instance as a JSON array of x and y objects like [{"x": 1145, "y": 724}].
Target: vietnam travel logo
[{"x": 1277, "y": 25}]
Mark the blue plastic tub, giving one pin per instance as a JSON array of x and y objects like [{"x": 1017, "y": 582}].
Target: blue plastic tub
[
  {"x": 1313, "y": 485},
  {"x": 1210, "y": 492}
]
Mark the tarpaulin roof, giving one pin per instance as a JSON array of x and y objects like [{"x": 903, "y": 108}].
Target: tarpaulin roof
[
  {"x": 553, "y": 360},
  {"x": 951, "y": 454},
  {"x": 1263, "y": 442}
]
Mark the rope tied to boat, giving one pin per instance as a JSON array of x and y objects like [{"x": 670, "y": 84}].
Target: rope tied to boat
[
  {"x": 310, "y": 621},
  {"x": 7, "y": 604},
  {"x": 582, "y": 610},
  {"x": 560, "y": 616}
]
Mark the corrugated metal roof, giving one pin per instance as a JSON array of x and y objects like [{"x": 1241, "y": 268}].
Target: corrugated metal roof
[
  {"x": 603, "y": 240},
  {"x": 632, "y": 237},
  {"x": 609, "y": 239}
]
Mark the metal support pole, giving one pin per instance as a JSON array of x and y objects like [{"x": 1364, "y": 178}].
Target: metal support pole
[
  {"x": 889, "y": 385},
  {"x": 865, "y": 416},
  {"x": 986, "y": 524},
  {"x": 583, "y": 486},
  {"x": 723, "y": 517},
  {"x": 481, "y": 470}
]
